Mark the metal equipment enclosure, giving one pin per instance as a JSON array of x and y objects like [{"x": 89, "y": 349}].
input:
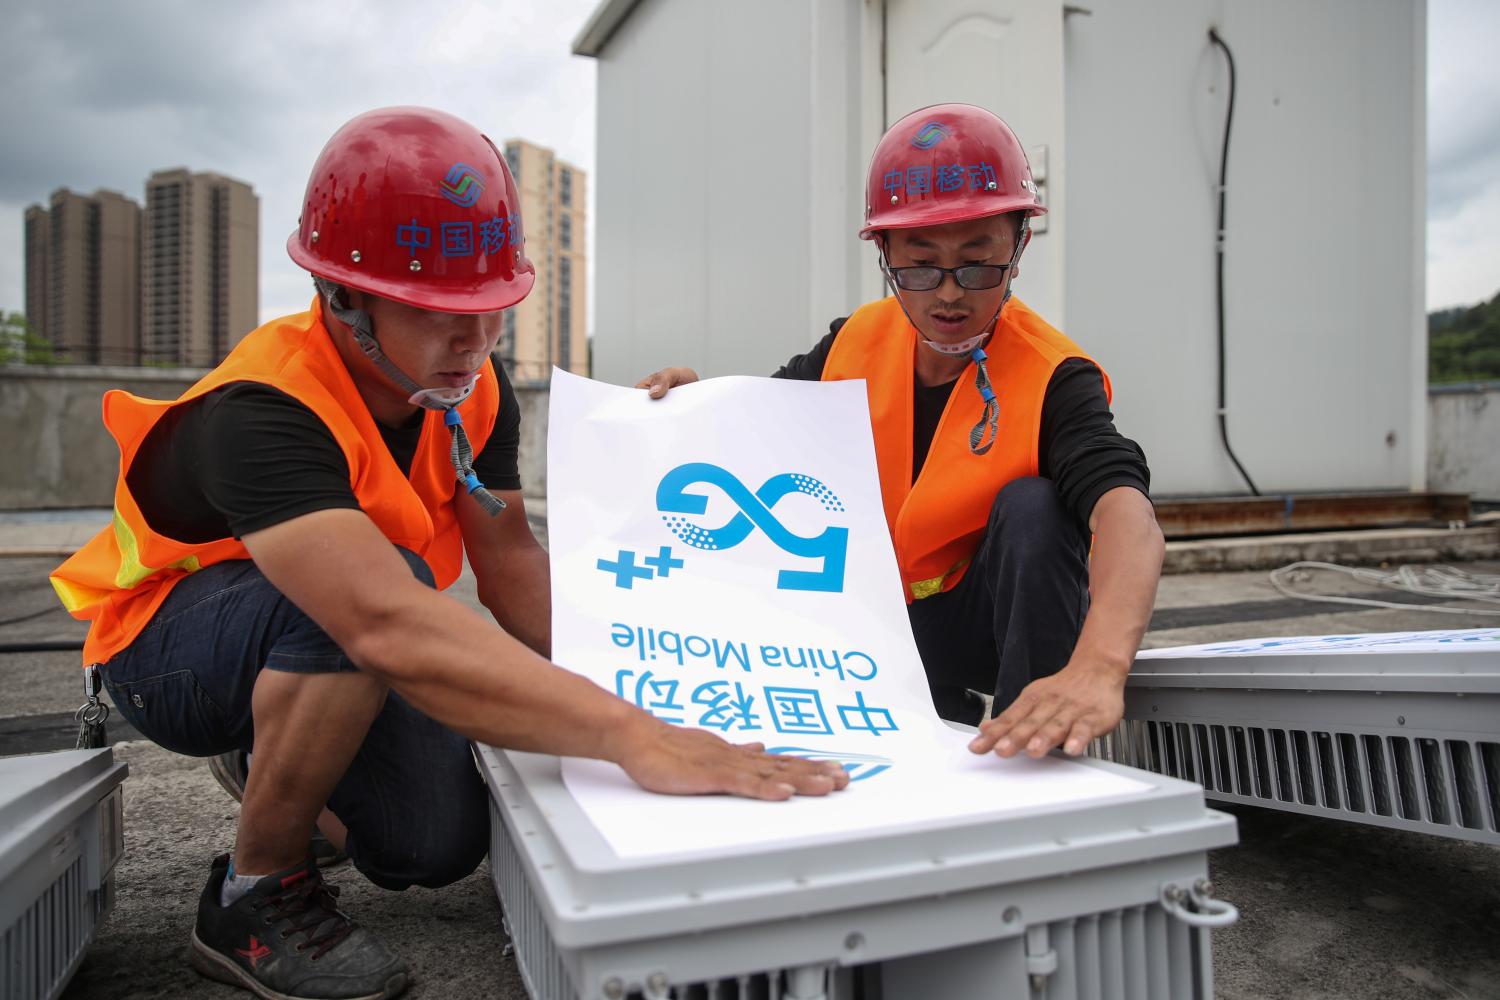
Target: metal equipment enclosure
[
  {"x": 61, "y": 832},
  {"x": 1091, "y": 900},
  {"x": 733, "y": 140},
  {"x": 1407, "y": 740}
]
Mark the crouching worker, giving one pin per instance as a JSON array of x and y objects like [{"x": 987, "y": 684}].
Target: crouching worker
[
  {"x": 1000, "y": 465},
  {"x": 273, "y": 578}
]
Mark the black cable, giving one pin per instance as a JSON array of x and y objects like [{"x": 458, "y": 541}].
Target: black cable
[
  {"x": 42, "y": 646},
  {"x": 1213, "y": 36},
  {"x": 35, "y": 614}
]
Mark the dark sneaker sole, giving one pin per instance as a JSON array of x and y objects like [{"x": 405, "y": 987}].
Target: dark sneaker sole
[{"x": 207, "y": 962}]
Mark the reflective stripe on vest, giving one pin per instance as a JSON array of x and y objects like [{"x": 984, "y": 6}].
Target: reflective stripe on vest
[
  {"x": 937, "y": 522},
  {"x": 119, "y": 579}
]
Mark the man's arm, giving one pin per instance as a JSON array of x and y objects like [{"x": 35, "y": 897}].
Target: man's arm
[
  {"x": 511, "y": 568},
  {"x": 1103, "y": 477},
  {"x": 462, "y": 671},
  {"x": 1086, "y": 698}
]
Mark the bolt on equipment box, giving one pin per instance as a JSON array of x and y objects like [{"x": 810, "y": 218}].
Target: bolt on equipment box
[
  {"x": 61, "y": 832},
  {"x": 1104, "y": 898},
  {"x": 1399, "y": 730}
]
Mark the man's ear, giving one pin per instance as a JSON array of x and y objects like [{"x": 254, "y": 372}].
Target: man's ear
[{"x": 1015, "y": 272}]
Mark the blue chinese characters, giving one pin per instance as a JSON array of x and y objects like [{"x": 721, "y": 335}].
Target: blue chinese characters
[
  {"x": 809, "y": 696},
  {"x": 924, "y": 179}
]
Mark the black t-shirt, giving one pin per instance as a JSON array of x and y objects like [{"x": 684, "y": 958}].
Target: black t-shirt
[
  {"x": 246, "y": 456},
  {"x": 1080, "y": 448}
]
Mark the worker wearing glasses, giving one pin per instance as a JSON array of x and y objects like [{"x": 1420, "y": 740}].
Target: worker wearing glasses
[{"x": 1028, "y": 548}]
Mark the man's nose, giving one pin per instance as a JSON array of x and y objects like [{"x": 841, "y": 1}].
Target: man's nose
[
  {"x": 949, "y": 290},
  {"x": 468, "y": 334}
]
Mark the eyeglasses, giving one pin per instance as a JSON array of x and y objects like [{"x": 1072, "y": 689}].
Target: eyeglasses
[{"x": 974, "y": 277}]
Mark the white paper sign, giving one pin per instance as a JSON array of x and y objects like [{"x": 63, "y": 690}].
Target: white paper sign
[
  {"x": 720, "y": 558},
  {"x": 1439, "y": 641}
]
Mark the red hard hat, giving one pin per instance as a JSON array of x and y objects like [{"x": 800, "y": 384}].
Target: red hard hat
[
  {"x": 418, "y": 206},
  {"x": 946, "y": 163}
]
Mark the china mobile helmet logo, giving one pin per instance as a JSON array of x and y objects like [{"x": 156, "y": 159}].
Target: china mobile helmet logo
[
  {"x": 930, "y": 134},
  {"x": 462, "y": 185},
  {"x": 859, "y": 766},
  {"x": 678, "y": 505}
]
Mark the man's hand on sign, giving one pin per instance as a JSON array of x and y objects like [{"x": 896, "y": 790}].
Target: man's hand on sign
[
  {"x": 664, "y": 758},
  {"x": 1073, "y": 706},
  {"x": 658, "y": 383}
]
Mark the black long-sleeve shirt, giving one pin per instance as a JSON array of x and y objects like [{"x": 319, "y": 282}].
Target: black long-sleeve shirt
[
  {"x": 1080, "y": 448},
  {"x": 247, "y": 456}
]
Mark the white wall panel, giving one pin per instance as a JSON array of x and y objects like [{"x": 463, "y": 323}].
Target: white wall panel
[
  {"x": 733, "y": 140},
  {"x": 1007, "y": 56},
  {"x": 1323, "y": 232},
  {"x": 727, "y": 149}
]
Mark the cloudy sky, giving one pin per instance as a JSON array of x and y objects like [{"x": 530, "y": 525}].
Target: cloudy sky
[{"x": 100, "y": 94}]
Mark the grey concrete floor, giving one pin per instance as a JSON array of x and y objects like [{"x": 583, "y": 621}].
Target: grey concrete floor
[{"x": 1329, "y": 909}]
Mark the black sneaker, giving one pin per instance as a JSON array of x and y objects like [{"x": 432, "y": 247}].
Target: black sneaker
[
  {"x": 287, "y": 940},
  {"x": 231, "y": 770}
]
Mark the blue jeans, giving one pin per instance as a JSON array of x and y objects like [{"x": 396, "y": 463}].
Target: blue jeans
[{"x": 416, "y": 808}]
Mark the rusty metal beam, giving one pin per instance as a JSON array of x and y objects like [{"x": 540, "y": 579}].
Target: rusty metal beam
[{"x": 1219, "y": 516}]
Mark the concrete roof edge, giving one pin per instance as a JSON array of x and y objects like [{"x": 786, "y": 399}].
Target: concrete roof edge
[
  {"x": 125, "y": 373},
  {"x": 601, "y": 26},
  {"x": 1450, "y": 388}
]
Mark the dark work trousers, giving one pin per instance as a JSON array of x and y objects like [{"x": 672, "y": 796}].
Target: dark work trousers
[
  {"x": 416, "y": 809},
  {"x": 1016, "y": 614}
]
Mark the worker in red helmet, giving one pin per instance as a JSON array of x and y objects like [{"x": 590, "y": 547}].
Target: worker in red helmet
[
  {"x": 269, "y": 592},
  {"x": 1029, "y": 551}
]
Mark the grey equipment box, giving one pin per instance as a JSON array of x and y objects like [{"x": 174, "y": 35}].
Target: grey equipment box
[
  {"x": 1408, "y": 740},
  {"x": 1104, "y": 899},
  {"x": 61, "y": 832}
]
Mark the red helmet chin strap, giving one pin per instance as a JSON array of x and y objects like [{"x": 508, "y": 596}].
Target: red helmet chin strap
[
  {"x": 982, "y": 435},
  {"x": 460, "y": 452},
  {"x": 1023, "y": 238}
]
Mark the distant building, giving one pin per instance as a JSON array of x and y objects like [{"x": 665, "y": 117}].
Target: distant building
[
  {"x": 549, "y": 327},
  {"x": 201, "y": 267},
  {"x": 37, "y": 229},
  {"x": 83, "y": 276}
]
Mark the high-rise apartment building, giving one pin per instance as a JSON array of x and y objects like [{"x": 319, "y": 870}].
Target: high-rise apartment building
[
  {"x": 83, "y": 276},
  {"x": 200, "y": 266},
  {"x": 549, "y": 327},
  {"x": 37, "y": 227}
]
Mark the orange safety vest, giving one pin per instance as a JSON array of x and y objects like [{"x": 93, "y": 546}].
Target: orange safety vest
[
  {"x": 937, "y": 522},
  {"x": 120, "y": 578}
]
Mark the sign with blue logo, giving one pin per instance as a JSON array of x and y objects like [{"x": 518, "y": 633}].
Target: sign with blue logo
[
  {"x": 721, "y": 559},
  {"x": 680, "y": 494}
]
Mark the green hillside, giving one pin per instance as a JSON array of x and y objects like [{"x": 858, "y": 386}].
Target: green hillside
[{"x": 1463, "y": 345}]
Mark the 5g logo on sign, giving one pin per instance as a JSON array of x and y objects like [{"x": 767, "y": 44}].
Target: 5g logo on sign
[{"x": 677, "y": 505}]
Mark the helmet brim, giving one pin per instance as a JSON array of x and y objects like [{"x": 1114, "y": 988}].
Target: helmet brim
[
  {"x": 492, "y": 296},
  {"x": 920, "y": 217}
]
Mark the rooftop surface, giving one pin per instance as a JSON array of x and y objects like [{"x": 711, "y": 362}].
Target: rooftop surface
[{"x": 1329, "y": 909}]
